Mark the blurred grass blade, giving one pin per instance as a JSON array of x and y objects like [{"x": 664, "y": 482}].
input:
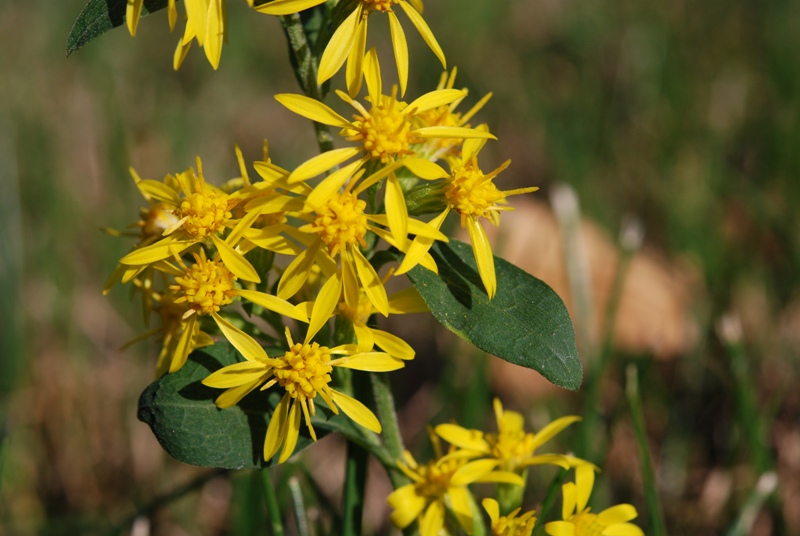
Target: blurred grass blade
[
  {"x": 299, "y": 504},
  {"x": 549, "y": 501},
  {"x": 766, "y": 485},
  {"x": 99, "y": 16},
  {"x": 273, "y": 508},
  {"x": 655, "y": 514}
]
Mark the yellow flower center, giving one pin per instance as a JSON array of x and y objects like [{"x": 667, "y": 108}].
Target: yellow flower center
[
  {"x": 156, "y": 220},
  {"x": 341, "y": 222},
  {"x": 380, "y": 5},
  {"x": 436, "y": 477},
  {"x": 587, "y": 524},
  {"x": 511, "y": 447},
  {"x": 206, "y": 286},
  {"x": 514, "y": 526},
  {"x": 305, "y": 370},
  {"x": 206, "y": 212},
  {"x": 473, "y": 194},
  {"x": 385, "y": 132}
]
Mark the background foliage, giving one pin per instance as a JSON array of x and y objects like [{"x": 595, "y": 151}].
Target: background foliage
[{"x": 683, "y": 114}]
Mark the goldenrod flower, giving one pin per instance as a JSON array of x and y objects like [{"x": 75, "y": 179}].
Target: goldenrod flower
[
  {"x": 304, "y": 371},
  {"x": 202, "y": 213},
  {"x": 206, "y": 23},
  {"x": 512, "y": 447},
  {"x": 509, "y": 525},
  {"x": 473, "y": 195},
  {"x": 578, "y": 519},
  {"x": 349, "y": 40},
  {"x": 206, "y": 287},
  {"x": 387, "y": 132},
  {"x": 440, "y": 484}
]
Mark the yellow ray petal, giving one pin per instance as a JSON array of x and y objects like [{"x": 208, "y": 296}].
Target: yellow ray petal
[
  {"x": 185, "y": 344},
  {"x": 286, "y": 7},
  {"x": 415, "y": 227},
  {"x": 232, "y": 396},
  {"x": 172, "y": 14},
  {"x": 272, "y": 205},
  {"x": 271, "y": 242},
  {"x": 292, "y": 432},
  {"x": 461, "y": 504},
  {"x": 377, "y": 176},
  {"x": 215, "y": 32},
  {"x": 133, "y": 11},
  {"x": 433, "y": 520},
  {"x": 196, "y": 19},
  {"x": 273, "y": 303},
  {"x": 396, "y": 210},
  {"x": 453, "y": 132},
  {"x": 400, "y": 51},
  {"x": 463, "y": 437},
  {"x": 407, "y": 505},
  {"x": 243, "y": 225},
  {"x": 163, "y": 249},
  {"x": 330, "y": 185},
  {"x": 548, "y": 459},
  {"x": 312, "y": 109},
  {"x": 545, "y": 434},
  {"x": 584, "y": 480},
  {"x": 235, "y": 375},
  {"x": 339, "y": 46},
  {"x": 235, "y": 261},
  {"x": 569, "y": 495},
  {"x": 620, "y": 513},
  {"x": 392, "y": 344},
  {"x": 472, "y": 471},
  {"x": 357, "y": 411},
  {"x": 297, "y": 271},
  {"x": 372, "y": 74},
  {"x": 352, "y": 295},
  {"x": 560, "y": 528},
  {"x": 355, "y": 60},
  {"x": 324, "y": 306},
  {"x": 180, "y": 52},
  {"x": 247, "y": 346},
  {"x": 407, "y": 301},
  {"x": 276, "y": 430},
  {"x": 321, "y": 163},
  {"x": 425, "y": 169},
  {"x": 424, "y": 31},
  {"x": 364, "y": 337},
  {"x": 483, "y": 256},
  {"x": 434, "y": 99},
  {"x": 370, "y": 362},
  {"x": 471, "y": 147},
  {"x": 159, "y": 191},
  {"x": 371, "y": 283}
]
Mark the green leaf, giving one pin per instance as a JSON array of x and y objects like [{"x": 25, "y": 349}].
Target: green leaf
[
  {"x": 99, "y": 16},
  {"x": 189, "y": 426},
  {"x": 526, "y": 323}
]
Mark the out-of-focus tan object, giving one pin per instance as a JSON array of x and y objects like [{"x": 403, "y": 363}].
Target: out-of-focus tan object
[{"x": 653, "y": 314}]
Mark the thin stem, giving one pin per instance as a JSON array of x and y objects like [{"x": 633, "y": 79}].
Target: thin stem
[
  {"x": 384, "y": 402},
  {"x": 658, "y": 528},
  {"x": 273, "y": 508},
  {"x": 300, "y": 512},
  {"x": 355, "y": 481},
  {"x": 549, "y": 500},
  {"x": 305, "y": 68}
]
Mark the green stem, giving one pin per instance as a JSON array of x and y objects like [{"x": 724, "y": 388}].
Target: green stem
[
  {"x": 273, "y": 509},
  {"x": 305, "y": 65},
  {"x": 657, "y": 526},
  {"x": 549, "y": 500},
  {"x": 384, "y": 401},
  {"x": 355, "y": 481}
]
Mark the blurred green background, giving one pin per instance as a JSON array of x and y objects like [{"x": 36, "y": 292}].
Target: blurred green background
[{"x": 682, "y": 114}]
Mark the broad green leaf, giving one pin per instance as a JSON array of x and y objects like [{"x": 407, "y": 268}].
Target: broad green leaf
[
  {"x": 99, "y": 16},
  {"x": 189, "y": 426},
  {"x": 526, "y": 323}
]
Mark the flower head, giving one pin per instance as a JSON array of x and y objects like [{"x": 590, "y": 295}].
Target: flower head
[
  {"x": 512, "y": 447},
  {"x": 440, "y": 484},
  {"x": 578, "y": 520},
  {"x": 303, "y": 371},
  {"x": 509, "y": 525}
]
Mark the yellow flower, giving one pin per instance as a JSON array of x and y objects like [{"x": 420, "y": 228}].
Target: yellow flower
[
  {"x": 304, "y": 371},
  {"x": 440, "y": 484},
  {"x": 509, "y": 525},
  {"x": 204, "y": 288},
  {"x": 206, "y": 23},
  {"x": 349, "y": 40},
  {"x": 201, "y": 215},
  {"x": 387, "y": 132},
  {"x": 473, "y": 195},
  {"x": 512, "y": 447},
  {"x": 579, "y": 521}
]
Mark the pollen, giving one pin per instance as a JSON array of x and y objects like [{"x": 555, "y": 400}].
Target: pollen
[
  {"x": 385, "y": 131},
  {"x": 587, "y": 524},
  {"x": 379, "y": 5},
  {"x": 206, "y": 286},
  {"x": 341, "y": 222},
  {"x": 204, "y": 212},
  {"x": 305, "y": 371},
  {"x": 473, "y": 194},
  {"x": 435, "y": 477}
]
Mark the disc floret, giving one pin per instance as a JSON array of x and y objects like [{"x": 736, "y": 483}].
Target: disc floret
[
  {"x": 341, "y": 222},
  {"x": 206, "y": 287},
  {"x": 473, "y": 194},
  {"x": 385, "y": 132},
  {"x": 204, "y": 212}
]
